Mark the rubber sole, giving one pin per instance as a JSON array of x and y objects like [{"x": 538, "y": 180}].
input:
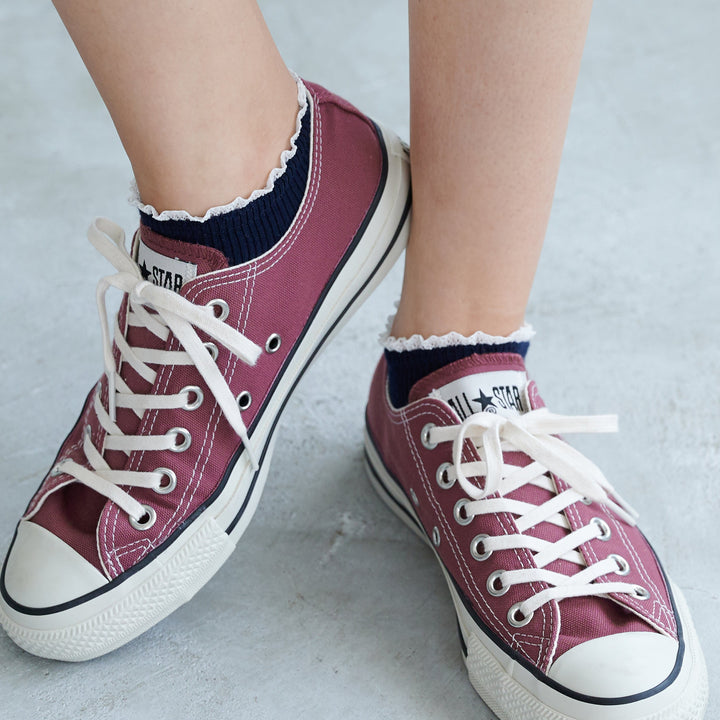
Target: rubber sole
[
  {"x": 112, "y": 616},
  {"x": 508, "y": 688}
]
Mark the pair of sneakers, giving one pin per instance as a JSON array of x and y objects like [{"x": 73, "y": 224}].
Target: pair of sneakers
[{"x": 563, "y": 609}]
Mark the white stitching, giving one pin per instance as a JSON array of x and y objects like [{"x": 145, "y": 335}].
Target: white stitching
[
  {"x": 438, "y": 413},
  {"x": 193, "y": 291}
]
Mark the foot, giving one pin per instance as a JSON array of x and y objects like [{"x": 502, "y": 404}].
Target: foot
[
  {"x": 563, "y": 607},
  {"x": 163, "y": 470}
]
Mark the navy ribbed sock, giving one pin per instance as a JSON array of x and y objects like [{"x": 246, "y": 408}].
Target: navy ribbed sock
[
  {"x": 406, "y": 367},
  {"x": 247, "y": 232}
]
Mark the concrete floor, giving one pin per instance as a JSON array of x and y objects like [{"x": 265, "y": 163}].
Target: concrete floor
[{"x": 330, "y": 608}]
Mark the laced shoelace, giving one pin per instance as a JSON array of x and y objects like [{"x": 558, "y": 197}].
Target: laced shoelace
[
  {"x": 162, "y": 312},
  {"x": 534, "y": 434}
]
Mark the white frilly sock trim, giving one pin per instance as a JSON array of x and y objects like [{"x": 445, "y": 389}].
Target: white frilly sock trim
[
  {"x": 525, "y": 333},
  {"x": 239, "y": 202}
]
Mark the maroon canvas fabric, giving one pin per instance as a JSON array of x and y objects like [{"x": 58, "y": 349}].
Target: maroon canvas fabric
[
  {"x": 556, "y": 626},
  {"x": 275, "y": 293}
]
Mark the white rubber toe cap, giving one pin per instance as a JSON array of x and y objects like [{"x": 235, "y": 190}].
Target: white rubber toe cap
[
  {"x": 43, "y": 571},
  {"x": 616, "y": 665}
]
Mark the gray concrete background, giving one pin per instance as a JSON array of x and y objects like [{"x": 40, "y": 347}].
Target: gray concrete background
[{"x": 330, "y": 608}]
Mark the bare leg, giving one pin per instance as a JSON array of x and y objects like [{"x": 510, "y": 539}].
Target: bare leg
[
  {"x": 491, "y": 87},
  {"x": 198, "y": 92}
]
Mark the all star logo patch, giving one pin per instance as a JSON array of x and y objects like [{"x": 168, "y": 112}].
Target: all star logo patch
[
  {"x": 502, "y": 392},
  {"x": 487, "y": 402},
  {"x": 164, "y": 271}
]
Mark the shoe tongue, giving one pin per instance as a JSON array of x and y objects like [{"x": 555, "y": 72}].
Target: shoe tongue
[
  {"x": 171, "y": 263},
  {"x": 495, "y": 383}
]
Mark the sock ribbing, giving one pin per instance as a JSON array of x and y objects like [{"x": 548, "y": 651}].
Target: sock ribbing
[
  {"x": 247, "y": 232},
  {"x": 406, "y": 367}
]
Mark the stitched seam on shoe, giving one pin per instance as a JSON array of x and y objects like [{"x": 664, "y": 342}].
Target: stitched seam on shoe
[
  {"x": 662, "y": 615},
  {"x": 254, "y": 269},
  {"x": 455, "y": 546},
  {"x": 440, "y": 516},
  {"x": 194, "y": 480},
  {"x": 250, "y": 272},
  {"x": 627, "y": 600},
  {"x": 540, "y": 641},
  {"x": 133, "y": 544},
  {"x": 208, "y": 284},
  {"x": 243, "y": 317},
  {"x": 641, "y": 565},
  {"x": 181, "y": 504},
  {"x": 439, "y": 512},
  {"x": 573, "y": 514},
  {"x": 127, "y": 549},
  {"x": 524, "y": 560},
  {"x": 137, "y": 459},
  {"x": 49, "y": 484},
  {"x": 191, "y": 486},
  {"x": 217, "y": 417}
]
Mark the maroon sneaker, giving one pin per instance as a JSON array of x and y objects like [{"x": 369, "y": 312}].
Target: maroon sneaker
[
  {"x": 564, "y": 610},
  {"x": 163, "y": 470}
]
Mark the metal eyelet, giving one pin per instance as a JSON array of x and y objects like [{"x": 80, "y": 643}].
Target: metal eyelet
[
  {"x": 273, "y": 343},
  {"x": 605, "y": 531},
  {"x": 87, "y": 431},
  {"x": 56, "y": 470},
  {"x": 212, "y": 349},
  {"x": 223, "y": 309},
  {"x": 516, "y": 618},
  {"x": 443, "y": 476},
  {"x": 477, "y": 541},
  {"x": 199, "y": 397},
  {"x": 425, "y": 436},
  {"x": 182, "y": 433},
  {"x": 146, "y": 521},
  {"x": 414, "y": 498},
  {"x": 586, "y": 501},
  {"x": 492, "y": 584},
  {"x": 622, "y": 563},
  {"x": 436, "y": 537},
  {"x": 460, "y": 518},
  {"x": 171, "y": 483},
  {"x": 244, "y": 400},
  {"x": 641, "y": 593}
]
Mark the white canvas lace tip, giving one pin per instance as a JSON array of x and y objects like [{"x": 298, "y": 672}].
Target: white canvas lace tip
[{"x": 239, "y": 202}]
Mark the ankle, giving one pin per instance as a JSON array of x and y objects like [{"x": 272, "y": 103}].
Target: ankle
[
  {"x": 215, "y": 168},
  {"x": 437, "y": 315}
]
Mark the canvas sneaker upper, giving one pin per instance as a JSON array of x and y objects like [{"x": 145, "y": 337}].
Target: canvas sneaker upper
[
  {"x": 163, "y": 468},
  {"x": 540, "y": 550}
]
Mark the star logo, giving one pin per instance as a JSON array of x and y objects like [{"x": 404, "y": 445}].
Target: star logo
[
  {"x": 144, "y": 271},
  {"x": 486, "y": 402}
]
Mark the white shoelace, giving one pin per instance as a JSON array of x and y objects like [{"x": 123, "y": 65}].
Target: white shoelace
[
  {"x": 162, "y": 312},
  {"x": 534, "y": 434}
]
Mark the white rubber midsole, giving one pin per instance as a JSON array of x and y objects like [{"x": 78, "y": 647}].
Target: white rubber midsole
[
  {"x": 118, "y": 614},
  {"x": 512, "y": 691}
]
